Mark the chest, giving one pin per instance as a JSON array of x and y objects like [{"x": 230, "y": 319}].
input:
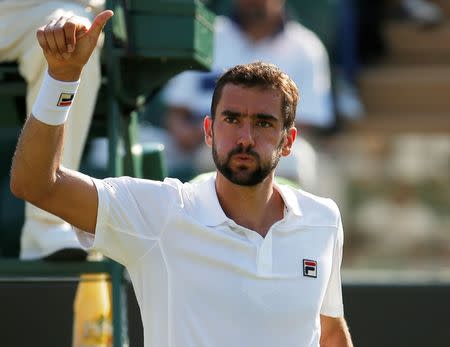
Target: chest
[
  {"x": 284, "y": 274},
  {"x": 293, "y": 60}
]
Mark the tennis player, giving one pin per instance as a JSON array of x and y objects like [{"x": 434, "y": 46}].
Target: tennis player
[{"x": 233, "y": 260}]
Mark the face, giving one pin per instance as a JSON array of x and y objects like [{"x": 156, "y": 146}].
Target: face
[
  {"x": 256, "y": 10},
  {"x": 247, "y": 135}
]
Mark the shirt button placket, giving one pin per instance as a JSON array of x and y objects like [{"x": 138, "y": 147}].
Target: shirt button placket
[{"x": 265, "y": 255}]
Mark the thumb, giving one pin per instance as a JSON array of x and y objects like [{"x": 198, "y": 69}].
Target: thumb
[{"x": 99, "y": 23}]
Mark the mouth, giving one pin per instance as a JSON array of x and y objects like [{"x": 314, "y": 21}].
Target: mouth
[{"x": 244, "y": 157}]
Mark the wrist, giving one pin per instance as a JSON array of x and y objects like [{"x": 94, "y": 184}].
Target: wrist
[
  {"x": 65, "y": 74},
  {"x": 53, "y": 102}
]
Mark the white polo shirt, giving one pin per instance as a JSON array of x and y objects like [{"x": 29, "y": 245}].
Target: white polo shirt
[
  {"x": 296, "y": 50},
  {"x": 201, "y": 280}
]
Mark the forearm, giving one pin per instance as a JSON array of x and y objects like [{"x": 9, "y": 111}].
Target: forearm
[
  {"x": 67, "y": 45},
  {"x": 37, "y": 160},
  {"x": 335, "y": 332},
  {"x": 340, "y": 339},
  {"x": 37, "y": 175}
]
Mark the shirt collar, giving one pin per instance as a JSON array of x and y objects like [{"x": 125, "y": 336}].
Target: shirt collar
[
  {"x": 210, "y": 212},
  {"x": 290, "y": 198}
]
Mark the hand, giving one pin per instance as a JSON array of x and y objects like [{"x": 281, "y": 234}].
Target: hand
[{"x": 67, "y": 44}]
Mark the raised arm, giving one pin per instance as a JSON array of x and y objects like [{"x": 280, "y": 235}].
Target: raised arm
[{"x": 37, "y": 174}]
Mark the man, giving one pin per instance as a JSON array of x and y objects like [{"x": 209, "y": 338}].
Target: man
[
  {"x": 256, "y": 30},
  {"x": 232, "y": 261},
  {"x": 44, "y": 235}
]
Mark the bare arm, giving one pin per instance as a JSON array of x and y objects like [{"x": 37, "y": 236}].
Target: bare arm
[
  {"x": 335, "y": 332},
  {"x": 37, "y": 174}
]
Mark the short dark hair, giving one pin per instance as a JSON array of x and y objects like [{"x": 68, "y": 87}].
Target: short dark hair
[{"x": 262, "y": 75}]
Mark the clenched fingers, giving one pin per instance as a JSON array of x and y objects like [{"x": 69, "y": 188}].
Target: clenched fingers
[
  {"x": 70, "y": 30},
  {"x": 49, "y": 39},
  {"x": 58, "y": 37}
]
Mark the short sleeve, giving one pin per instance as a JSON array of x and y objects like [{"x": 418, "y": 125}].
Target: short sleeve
[
  {"x": 131, "y": 216},
  {"x": 332, "y": 304}
]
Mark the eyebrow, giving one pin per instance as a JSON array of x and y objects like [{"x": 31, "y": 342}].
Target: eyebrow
[{"x": 265, "y": 116}]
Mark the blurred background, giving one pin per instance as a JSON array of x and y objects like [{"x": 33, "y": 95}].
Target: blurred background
[
  {"x": 388, "y": 167},
  {"x": 384, "y": 158}
]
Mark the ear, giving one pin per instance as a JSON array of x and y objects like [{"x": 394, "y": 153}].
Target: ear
[
  {"x": 290, "y": 136},
  {"x": 207, "y": 128}
]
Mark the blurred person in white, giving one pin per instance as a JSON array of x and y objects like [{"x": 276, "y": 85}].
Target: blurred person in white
[
  {"x": 347, "y": 99},
  {"x": 45, "y": 235},
  {"x": 257, "y": 30}
]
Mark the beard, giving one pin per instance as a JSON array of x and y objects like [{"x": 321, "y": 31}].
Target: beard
[{"x": 243, "y": 175}]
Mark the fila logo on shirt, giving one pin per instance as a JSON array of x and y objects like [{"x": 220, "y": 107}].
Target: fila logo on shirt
[
  {"x": 65, "y": 99},
  {"x": 310, "y": 268}
]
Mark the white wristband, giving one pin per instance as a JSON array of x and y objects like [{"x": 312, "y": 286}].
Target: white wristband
[{"x": 53, "y": 102}]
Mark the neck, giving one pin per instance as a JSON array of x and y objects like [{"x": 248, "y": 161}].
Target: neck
[
  {"x": 263, "y": 29},
  {"x": 256, "y": 207}
]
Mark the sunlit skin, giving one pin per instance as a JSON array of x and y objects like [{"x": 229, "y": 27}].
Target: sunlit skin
[
  {"x": 249, "y": 119},
  {"x": 244, "y": 159},
  {"x": 247, "y": 134}
]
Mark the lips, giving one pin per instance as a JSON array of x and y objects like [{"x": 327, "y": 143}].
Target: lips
[{"x": 244, "y": 157}]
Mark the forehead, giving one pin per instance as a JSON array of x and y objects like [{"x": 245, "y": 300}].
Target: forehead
[{"x": 249, "y": 100}]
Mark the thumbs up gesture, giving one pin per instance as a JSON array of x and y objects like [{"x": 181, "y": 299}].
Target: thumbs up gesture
[{"x": 67, "y": 44}]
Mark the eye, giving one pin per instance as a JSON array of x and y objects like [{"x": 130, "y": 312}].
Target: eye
[
  {"x": 230, "y": 119},
  {"x": 264, "y": 124}
]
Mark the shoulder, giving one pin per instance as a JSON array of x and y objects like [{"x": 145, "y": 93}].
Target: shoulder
[
  {"x": 142, "y": 189},
  {"x": 314, "y": 210},
  {"x": 324, "y": 208},
  {"x": 304, "y": 38},
  {"x": 224, "y": 24},
  {"x": 226, "y": 32},
  {"x": 301, "y": 33}
]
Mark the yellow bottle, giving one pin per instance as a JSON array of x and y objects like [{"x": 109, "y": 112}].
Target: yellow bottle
[{"x": 93, "y": 312}]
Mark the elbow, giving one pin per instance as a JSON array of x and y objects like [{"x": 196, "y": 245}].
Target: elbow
[
  {"x": 19, "y": 189},
  {"x": 27, "y": 189},
  {"x": 25, "y": 192},
  {"x": 16, "y": 181},
  {"x": 16, "y": 186}
]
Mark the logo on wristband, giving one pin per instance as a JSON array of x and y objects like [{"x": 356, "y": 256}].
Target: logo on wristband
[{"x": 65, "y": 99}]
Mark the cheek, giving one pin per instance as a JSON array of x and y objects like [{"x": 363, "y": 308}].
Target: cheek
[
  {"x": 221, "y": 138},
  {"x": 219, "y": 144},
  {"x": 269, "y": 142},
  {"x": 223, "y": 145}
]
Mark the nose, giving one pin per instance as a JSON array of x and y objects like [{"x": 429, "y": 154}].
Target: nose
[{"x": 245, "y": 136}]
